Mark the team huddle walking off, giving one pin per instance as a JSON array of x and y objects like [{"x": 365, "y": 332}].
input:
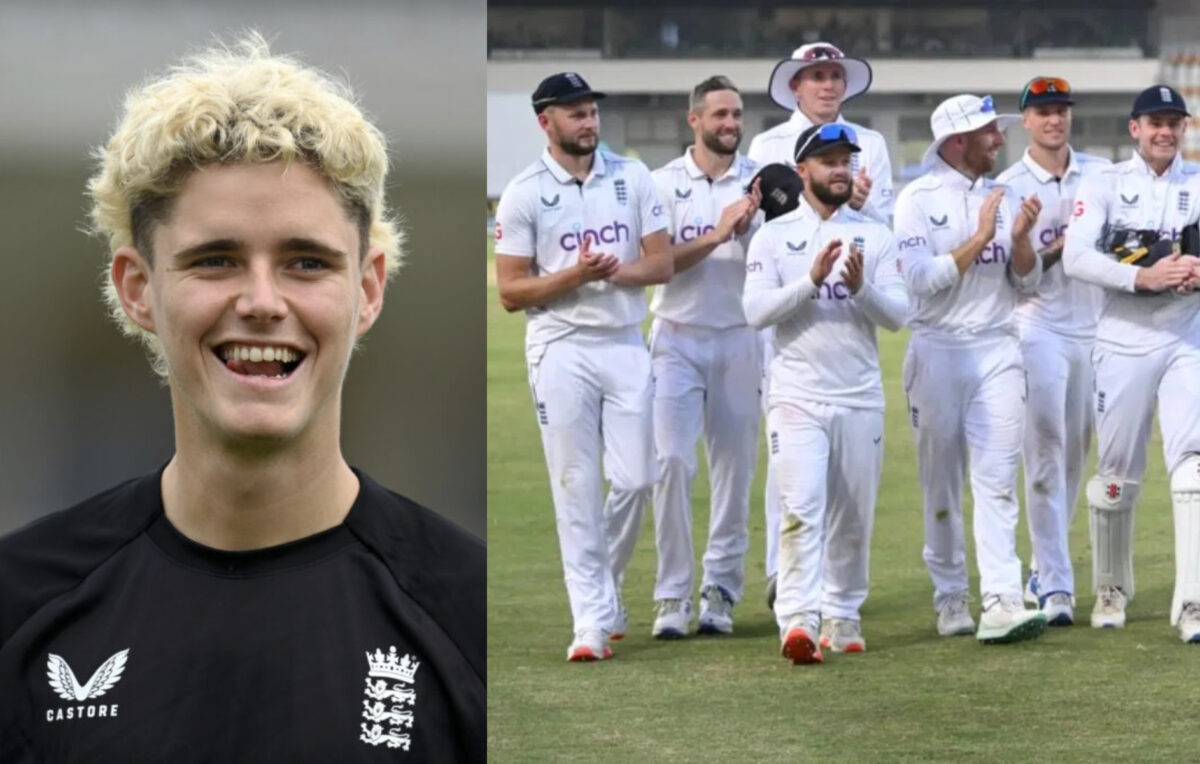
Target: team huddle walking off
[{"x": 1051, "y": 300}]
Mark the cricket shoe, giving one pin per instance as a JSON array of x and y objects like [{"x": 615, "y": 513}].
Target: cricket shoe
[
  {"x": 843, "y": 635},
  {"x": 772, "y": 580},
  {"x": 672, "y": 620},
  {"x": 716, "y": 611},
  {"x": 1032, "y": 590},
  {"x": 1109, "y": 611},
  {"x": 954, "y": 617},
  {"x": 589, "y": 645},
  {"x": 1059, "y": 608},
  {"x": 1005, "y": 620},
  {"x": 1189, "y": 622},
  {"x": 800, "y": 644},
  {"x": 620, "y": 623}
]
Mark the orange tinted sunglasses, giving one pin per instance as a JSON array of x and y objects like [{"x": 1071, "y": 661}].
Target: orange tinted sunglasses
[{"x": 1043, "y": 85}]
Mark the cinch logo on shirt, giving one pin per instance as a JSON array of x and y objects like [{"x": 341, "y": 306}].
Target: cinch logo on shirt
[
  {"x": 613, "y": 233},
  {"x": 912, "y": 241},
  {"x": 63, "y": 682},
  {"x": 696, "y": 229},
  {"x": 835, "y": 291},
  {"x": 1050, "y": 235},
  {"x": 992, "y": 253},
  {"x": 388, "y": 707}
]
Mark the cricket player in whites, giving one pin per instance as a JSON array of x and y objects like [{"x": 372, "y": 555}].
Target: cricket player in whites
[
  {"x": 568, "y": 233},
  {"x": 813, "y": 84},
  {"x": 825, "y": 276},
  {"x": 706, "y": 365},
  {"x": 1129, "y": 220},
  {"x": 1057, "y": 326},
  {"x": 965, "y": 252}
]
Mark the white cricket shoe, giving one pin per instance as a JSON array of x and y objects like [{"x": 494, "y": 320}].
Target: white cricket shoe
[
  {"x": 799, "y": 640},
  {"x": 843, "y": 635},
  {"x": 716, "y": 611},
  {"x": 673, "y": 619},
  {"x": 954, "y": 617},
  {"x": 1059, "y": 608},
  {"x": 589, "y": 645},
  {"x": 1109, "y": 611},
  {"x": 1005, "y": 620},
  {"x": 621, "y": 623},
  {"x": 1032, "y": 592},
  {"x": 1189, "y": 622}
]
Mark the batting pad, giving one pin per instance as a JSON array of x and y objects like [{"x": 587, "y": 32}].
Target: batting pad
[
  {"x": 1111, "y": 523},
  {"x": 1185, "y": 500}
]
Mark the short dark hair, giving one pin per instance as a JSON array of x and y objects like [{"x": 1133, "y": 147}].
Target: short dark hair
[{"x": 710, "y": 85}]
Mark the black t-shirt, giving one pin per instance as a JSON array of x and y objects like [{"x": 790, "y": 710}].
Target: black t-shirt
[{"x": 122, "y": 640}]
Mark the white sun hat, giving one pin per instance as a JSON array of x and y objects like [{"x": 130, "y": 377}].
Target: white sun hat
[
  {"x": 858, "y": 72},
  {"x": 962, "y": 114}
]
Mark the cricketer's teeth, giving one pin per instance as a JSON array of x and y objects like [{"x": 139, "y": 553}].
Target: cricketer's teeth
[{"x": 255, "y": 353}]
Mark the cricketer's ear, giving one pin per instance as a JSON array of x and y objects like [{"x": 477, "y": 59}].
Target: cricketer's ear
[
  {"x": 130, "y": 274},
  {"x": 374, "y": 278}
]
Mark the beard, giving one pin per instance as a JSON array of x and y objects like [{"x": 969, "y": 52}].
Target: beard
[
  {"x": 827, "y": 195},
  {"x": 576, "y": 147},
  {"x": 713, "y": 143}
]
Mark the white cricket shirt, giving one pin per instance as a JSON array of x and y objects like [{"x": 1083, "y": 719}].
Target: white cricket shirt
[
  {"x": 545, "y": 213},
  {"x": 779, "y": 145},
  {"x": 1061, "y": 304},
  {"x": 935, "y": 214},
  {"x": 1130, "y": 195},
  {"x": 709, "y": 294},
  {"x": 824, "y": 341}
]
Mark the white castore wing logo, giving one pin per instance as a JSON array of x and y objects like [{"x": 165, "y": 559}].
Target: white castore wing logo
[{"x": 63, "y": 681}]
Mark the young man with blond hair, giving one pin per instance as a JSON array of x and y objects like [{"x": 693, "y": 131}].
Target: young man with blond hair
[{"x": 241, "y": 198}]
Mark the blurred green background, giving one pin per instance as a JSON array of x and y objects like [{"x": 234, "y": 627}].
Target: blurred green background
[{"x": 80, "y": 409}]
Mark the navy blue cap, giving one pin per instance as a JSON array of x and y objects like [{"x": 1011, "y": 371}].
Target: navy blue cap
[
  {"x": 565, "y": 87},
  {"x": 1042, "y": 90},
  {"x": 818, "y": 139},
  {"x": 1158, "y": 98}
]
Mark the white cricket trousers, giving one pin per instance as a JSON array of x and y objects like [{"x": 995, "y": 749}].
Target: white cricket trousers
[
  {"x": 966, "y": 398},
  {"x": 1058, "y": 433},
  {"x": 705, "y": 380},
  {"x": 766, "y": 339},
  {"x": 593, "y": 394},
  {"x": 828, "y": 461},
  {"x": 1126, "y": 388}
]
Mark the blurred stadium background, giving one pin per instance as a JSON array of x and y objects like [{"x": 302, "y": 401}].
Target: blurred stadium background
[
  {"x": 649, "y": 56},
  {"x": 79, "y": 407}
]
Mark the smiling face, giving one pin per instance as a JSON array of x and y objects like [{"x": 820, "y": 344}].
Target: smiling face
[
  {"x": 1048, "y": 124},
  {"x": 257, "y": 292},
  {"x": 981, "y": 147},
  {"x": 718, "y": 122},
  {"x": 1158, "y": 135},
  {"x": 818, "y": 90}
]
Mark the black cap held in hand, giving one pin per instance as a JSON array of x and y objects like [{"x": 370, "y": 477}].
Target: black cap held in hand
[{"x": 781, "y": 188}]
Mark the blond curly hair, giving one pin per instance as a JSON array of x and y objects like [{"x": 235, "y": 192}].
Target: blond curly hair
[{"x": 234, "y": 104}]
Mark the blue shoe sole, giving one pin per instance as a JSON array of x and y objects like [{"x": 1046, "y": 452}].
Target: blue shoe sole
[
  {"x": 1061, "y": 620},
  {"x": 709, "y": 630},
  {"x": 670, "y": 634}
]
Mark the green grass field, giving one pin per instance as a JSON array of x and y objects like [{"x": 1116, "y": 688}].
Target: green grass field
[{"x": 1077, "y": 694}]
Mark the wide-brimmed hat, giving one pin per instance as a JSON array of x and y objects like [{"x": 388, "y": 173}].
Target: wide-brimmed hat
[
  {"x": 858, "y": 72},
  {"x": 962, "y": 114}
]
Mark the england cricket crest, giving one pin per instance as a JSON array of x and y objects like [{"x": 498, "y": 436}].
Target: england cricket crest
[{"x": 388, "y": 707}]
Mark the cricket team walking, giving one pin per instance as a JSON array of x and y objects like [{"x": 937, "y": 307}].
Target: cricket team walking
[{"x": 1042, "y": 302}]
